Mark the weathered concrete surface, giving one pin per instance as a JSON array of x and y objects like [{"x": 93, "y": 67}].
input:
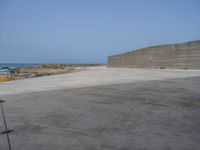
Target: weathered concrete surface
[
  {"x": 101, "y": 76},
  {"x": 148, "y": 115},
  {"x": 173, "y": 56}
]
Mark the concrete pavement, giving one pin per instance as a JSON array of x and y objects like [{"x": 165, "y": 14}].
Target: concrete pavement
[
  {"x": 95, "y": 77},
  {"x": 147, "y": 115}
]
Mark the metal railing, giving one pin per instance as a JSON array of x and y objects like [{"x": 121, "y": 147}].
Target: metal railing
[{"x": 6, "y": 130}]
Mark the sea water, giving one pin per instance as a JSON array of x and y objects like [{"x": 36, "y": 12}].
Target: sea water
[{"x": 18, "y": 65}]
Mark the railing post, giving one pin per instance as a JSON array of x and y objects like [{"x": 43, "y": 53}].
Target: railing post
[{"x": 6, "y": 131}]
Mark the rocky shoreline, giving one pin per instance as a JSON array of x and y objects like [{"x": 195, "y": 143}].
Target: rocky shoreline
[{"x": 47, "y": 69}]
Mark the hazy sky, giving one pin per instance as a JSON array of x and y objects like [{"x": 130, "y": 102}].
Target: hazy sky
[{"x": 87, "y": 31}]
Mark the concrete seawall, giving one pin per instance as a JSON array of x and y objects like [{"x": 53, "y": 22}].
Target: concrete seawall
[{"x": 173, "y": 56}]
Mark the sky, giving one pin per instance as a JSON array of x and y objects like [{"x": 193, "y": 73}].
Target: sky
[{"x": 88, "y": 31}]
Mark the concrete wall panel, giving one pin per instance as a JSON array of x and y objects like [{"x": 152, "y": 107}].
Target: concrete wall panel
[{"x": 173, "y": 56}]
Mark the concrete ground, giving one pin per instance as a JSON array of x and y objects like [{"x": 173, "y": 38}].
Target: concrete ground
[
  {"x": 141, "y": 115},
  {"x": 149, "y": 115},
  {"x": 94, "y": 77}
]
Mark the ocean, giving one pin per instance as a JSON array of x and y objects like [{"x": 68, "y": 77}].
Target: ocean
[
  {"x": 24, "y": 65},
  {"x": 18, "y": 65}
]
